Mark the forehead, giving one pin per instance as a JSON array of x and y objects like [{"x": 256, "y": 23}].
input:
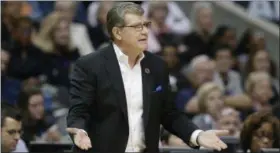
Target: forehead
[
  {"x": 266, "y": 126},
  {"x": 130, "y": 18},
  {"x": 10, "y": 123}
]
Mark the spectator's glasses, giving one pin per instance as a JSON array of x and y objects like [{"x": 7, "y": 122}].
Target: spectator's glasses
[
  {"x": 14, "y": 132},
  {"x": 140, "y": 27}
]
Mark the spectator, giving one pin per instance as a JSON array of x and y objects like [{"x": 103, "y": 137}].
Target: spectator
[
  {"x": 26, "y": 59},
  {"x": 11, "y": 130},
  {"x": 259, "y": 89},
  {"x": 249, "y": 43},
  {"x": 78, "y": 32},
  {"x": 230, "y": 121},
  {"x": 210, "y": 102},
  {"x": 176, "y": 18},
  {"x": 197, "y": 42},
  {"x": 259, "y": 61},
  {"x": 38, "y": 125},
  {"x": 98, "y": 34},
  {"x": 200, "y": 71},
  {"x": 160, "y": 33},
  {"x": 224, "y": 35},
  {"x": 54, "y": 40},
  {"x": 9, "y": 14},
  {"x": 260, "y": 130},
  {"x": 228, "y": 79}
]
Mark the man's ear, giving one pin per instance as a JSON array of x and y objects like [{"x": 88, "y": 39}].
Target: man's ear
[{"x": 116, "y": 33}]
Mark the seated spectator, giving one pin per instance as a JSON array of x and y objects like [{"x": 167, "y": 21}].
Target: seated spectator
[
  {"x": 259, "y": 61},
  {"x": 171, "y": 56},
  {"x": 160, "y": 33},
  {"x": 176, "y": 18},
  {"x": 224, "y": 35},
  {"x": 98, "y": 33},
  {"x": 53, "y": 39},
  {"x": 11, "y": 129},
  {"x": 260, "y": 130},
  {"x": 38, "y": 125},
  {"x": 9, "y": 14},
  {"x": 210, "y": 101},
  {"x": 228, "y": 79},
  {"x": 197, "y": 42},
  {"x": 26, "y": 60},
  {"x": 78, "y": 32},
  {"x": 259, "y": 89},
  {"x": 200, "y": 71},
  {"x": 10, "y": 86},
  {"x": 229, "y": 120}
]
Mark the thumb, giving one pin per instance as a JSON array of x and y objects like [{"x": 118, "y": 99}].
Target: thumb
[
  {"x": 72, "y": 130},
  {"x": 221, "y": 132}
]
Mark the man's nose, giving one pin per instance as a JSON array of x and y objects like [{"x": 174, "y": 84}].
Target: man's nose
[{"x": 145, "y": 30}]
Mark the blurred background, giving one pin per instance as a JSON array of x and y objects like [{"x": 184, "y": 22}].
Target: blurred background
[{"x": 223, "y": 59}]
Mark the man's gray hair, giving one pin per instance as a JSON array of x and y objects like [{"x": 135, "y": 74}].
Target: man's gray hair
[
  {"x": 115, "y": 17},
  {"x": 197, "y": 6}
]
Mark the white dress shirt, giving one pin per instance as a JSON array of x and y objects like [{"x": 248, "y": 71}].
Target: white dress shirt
[{"x": 132, "y": 80}]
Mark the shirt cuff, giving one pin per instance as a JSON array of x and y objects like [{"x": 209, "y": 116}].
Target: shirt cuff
[{"x": 194, "y": 137}]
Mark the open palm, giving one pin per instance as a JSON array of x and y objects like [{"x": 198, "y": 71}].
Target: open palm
[
  {"x": 81, "y": 139},
  {"x": 210, "y": 139}
]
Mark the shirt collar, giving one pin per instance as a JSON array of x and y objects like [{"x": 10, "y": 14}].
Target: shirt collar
[{"x": 121, "y": 57}]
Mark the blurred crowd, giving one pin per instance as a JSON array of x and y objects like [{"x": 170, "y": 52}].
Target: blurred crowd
[{"x": 219, "y": 81}]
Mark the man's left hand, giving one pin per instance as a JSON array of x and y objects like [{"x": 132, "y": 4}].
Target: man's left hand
[{"x": 210, "y": 139}]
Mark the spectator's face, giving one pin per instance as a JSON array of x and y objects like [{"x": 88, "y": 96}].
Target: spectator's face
[
  {"x": 134, "y": 37},
  {"x": 261, "y": 62},
  {"x": 10, "y": 134},
  {"x": 5, "y": 57},
  {"x": 12, "y": 9},
  {"x": 262, "y": 91},
  {"x": 170, "y": 56},
  {"x": 62, "y": 33},
  {"x": 159, "y": 14},
  {"x": 259, "y": 41},
  {"x": 204, "y": 19},
  {"x": 230, "y": 38},
  {"x": 262, "y": 137},
  {"x": 23, "y": 32},
  {"x": 224, "y": 60},
  {"x": 230, "y": 122},
  {"x": 214, "y": 102},
  {"x": 203, "y": 72},
  {"x": 105, "y": 7},
  {"x": 36, "y": 106},
  {"x": 66, "y": 8}
]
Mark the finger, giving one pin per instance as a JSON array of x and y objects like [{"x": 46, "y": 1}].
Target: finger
[
  {"x": 223, "y": 145},
  {"x": 221, "y": 132},
  {"x": 71, "y": 130}
]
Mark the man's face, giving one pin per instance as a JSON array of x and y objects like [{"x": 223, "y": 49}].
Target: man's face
[
  {"x": 204, "y": 19},
  {"x": 134, "y": 34},
  {"x": 10, "y": 134},
  {"x": 204, "y": 72},
  {"x": 36, "y": 106},
  {"x": 223, "y": 60},
  {"x": 230, "y": 122}
]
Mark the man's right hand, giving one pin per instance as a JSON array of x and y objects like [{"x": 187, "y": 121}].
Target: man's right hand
[{"x": 81, "y": 138}]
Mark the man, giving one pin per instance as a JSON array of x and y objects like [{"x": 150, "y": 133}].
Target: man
[
  {"x": 11, "y": 128},
  {"x": 119, "y": 94}
]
